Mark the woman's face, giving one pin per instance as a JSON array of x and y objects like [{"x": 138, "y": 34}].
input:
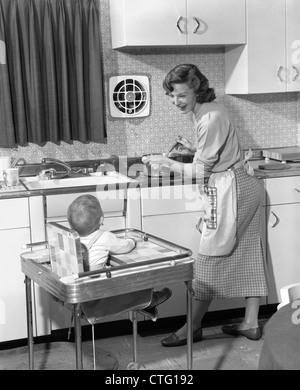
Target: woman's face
[{"x": 183, "y": 97}]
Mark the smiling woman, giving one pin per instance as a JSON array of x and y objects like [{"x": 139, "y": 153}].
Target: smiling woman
[{"x": 51, "y": 84}]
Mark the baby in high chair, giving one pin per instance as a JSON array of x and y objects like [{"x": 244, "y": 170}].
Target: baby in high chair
[{"x": 85, "y": 216}]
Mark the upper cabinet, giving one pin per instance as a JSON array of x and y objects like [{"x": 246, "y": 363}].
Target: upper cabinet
[
  {"x": 270, "y": 61},
  {"x": 137, "y": 23}
]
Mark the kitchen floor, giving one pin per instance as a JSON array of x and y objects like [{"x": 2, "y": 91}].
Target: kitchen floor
[{"x": 217, "y": 351}]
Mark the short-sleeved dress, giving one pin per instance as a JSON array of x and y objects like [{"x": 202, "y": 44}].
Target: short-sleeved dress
[{"x": 242, "y": 272}]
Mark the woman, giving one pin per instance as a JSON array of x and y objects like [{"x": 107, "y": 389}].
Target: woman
[{"x": 230, "y": 261}]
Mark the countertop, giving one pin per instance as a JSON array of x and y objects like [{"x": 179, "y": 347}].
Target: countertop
[
  {"x": 290, "y": 169},
  {"x": 134, "y": 168}
]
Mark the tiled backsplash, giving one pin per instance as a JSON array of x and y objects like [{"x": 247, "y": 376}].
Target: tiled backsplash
[{"x": 263, "y": 121}]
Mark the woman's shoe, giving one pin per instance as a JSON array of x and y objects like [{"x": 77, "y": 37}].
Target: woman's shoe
[
  {"x": 174, "y": 341},
  {"x": 251, "y": 334}
]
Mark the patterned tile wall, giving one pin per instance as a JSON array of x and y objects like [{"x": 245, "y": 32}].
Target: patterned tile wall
[{"x": 265, "y": 120}]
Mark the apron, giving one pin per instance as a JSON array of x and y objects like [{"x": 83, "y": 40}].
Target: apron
[{"x": 219, "y": 198}]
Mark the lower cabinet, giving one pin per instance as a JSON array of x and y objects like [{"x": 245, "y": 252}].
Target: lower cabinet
[
  {"x": 13, "y": 322},
  {"x": 14, "y": 232},
  {"x": 283, "y": 234},
  {"x": 181, "y": 229}
]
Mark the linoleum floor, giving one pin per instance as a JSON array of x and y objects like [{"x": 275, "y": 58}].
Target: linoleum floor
[{"x": 217, "y": 351}]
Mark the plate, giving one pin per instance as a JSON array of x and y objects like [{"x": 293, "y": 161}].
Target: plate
[{"x": 274, "y": 167}]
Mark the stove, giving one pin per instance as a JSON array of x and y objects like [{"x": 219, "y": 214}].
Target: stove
[{"x": 283, "y": 154}]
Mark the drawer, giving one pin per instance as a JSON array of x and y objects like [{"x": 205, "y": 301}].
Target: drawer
[
  {"x": 170, "y": 200},
  {"x": 14, "y": 213},
  {"x": 282, "y": 190},
  {"x": 112, "y": 202}
]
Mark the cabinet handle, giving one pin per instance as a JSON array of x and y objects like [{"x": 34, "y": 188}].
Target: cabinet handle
[
  {"x": 279, "y": 73},
  {"x": 178, "y": 24},
  {"x": 198, "y": 224},
  {"x": 277, "y": 220},
  {"x": 297, "y": 73},
  {"x": 296, "y": 189},
  {"x": 198, "y": 25}
]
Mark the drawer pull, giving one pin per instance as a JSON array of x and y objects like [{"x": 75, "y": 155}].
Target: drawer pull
[
  {"x": 198, "y": 25},
  {"x": 178, "y": 24},
  {"x": 277, "y": 220},
  {"x": 279, "y": 73},
  {"x": 296, "y": 189},
  {"x": 198, "y": 225},
  {"x": 297, "y": 73}
]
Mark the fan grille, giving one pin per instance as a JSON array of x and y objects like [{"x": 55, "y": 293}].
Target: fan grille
[{"x": 130, "y": 96}]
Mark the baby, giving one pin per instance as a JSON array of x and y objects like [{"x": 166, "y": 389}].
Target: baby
[{"x": 85, "y": 215}]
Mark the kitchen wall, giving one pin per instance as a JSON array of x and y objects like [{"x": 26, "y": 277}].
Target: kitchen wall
[{"x": 263, "y": 121}]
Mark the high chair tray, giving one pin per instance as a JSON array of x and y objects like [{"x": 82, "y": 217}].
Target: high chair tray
[{"x": 152, "y": 263}]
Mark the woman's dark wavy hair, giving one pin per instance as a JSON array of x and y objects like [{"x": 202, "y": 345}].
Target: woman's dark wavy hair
[{"x": 189, "y": 74}]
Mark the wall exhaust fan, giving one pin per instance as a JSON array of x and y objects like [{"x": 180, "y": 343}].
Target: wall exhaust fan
[{"x": 129, "y": 96}]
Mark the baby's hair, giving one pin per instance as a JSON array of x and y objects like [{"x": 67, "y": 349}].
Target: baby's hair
[{"x": 84, "y": 214}]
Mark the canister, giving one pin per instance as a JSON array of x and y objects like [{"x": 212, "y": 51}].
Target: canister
[{"x": 5, "y": 162}]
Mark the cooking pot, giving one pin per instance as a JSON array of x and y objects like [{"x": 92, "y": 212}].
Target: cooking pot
[{"x": 5, "y": 162}]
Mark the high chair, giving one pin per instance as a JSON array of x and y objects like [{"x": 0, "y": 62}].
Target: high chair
[
  {"x": 126, "y": 286},
  {"x": 66, "y": 259}
]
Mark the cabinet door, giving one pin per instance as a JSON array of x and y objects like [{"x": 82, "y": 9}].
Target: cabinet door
[
  {"x": 283, "y": 247},
  {"x": 293, "y": 45},
  {"x": 148, "y": 23},
  {"x": 180, "y": 229},
  {"x": 13, "y": 322},
  {"x": 259, "y": 66},
  {"x": 216, "y": 22}
]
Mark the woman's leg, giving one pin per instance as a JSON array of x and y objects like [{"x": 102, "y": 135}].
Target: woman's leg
[
  {"x": 250, "y": 320},
  {"x": 249, "y": 326},
  {"x": 199, "y": 310}
]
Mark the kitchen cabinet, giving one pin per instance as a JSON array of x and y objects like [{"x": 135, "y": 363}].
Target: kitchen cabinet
[
  {"x": 21, "y": 223},
  {"x": 282, "y": 211},
  {"x": 177, "y": 22},
  {"x": 172, "y": 213},
  {"x": 270, "y": 61},
  {"x": 14, "y": 232}
]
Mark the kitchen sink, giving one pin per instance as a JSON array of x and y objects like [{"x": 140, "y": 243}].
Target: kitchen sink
[{"x": 94, "y": 179}]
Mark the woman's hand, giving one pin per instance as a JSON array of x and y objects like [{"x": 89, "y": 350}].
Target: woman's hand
[
  {"x": 154, "y": 159},
  {"x": 186, "y": 144},
  {"x": 157, "y": 159}
]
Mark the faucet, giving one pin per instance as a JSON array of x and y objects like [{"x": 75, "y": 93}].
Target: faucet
[
  {"x": 17, "y": 162},
  {"x": 52, "y": 173}
]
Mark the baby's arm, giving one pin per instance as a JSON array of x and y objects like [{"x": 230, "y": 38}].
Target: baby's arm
[{"x": 120, "y": 245}]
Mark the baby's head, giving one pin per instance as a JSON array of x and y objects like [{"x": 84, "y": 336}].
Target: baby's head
[{"x": 85, "y": 215}]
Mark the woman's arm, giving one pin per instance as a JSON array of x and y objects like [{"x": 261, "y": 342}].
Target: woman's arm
[
  {"x": 188, "y": 170},
  {"x": 186, "y": 144}
]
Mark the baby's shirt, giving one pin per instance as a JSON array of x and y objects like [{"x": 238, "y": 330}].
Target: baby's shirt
[{"x": 107, "y": 243}]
